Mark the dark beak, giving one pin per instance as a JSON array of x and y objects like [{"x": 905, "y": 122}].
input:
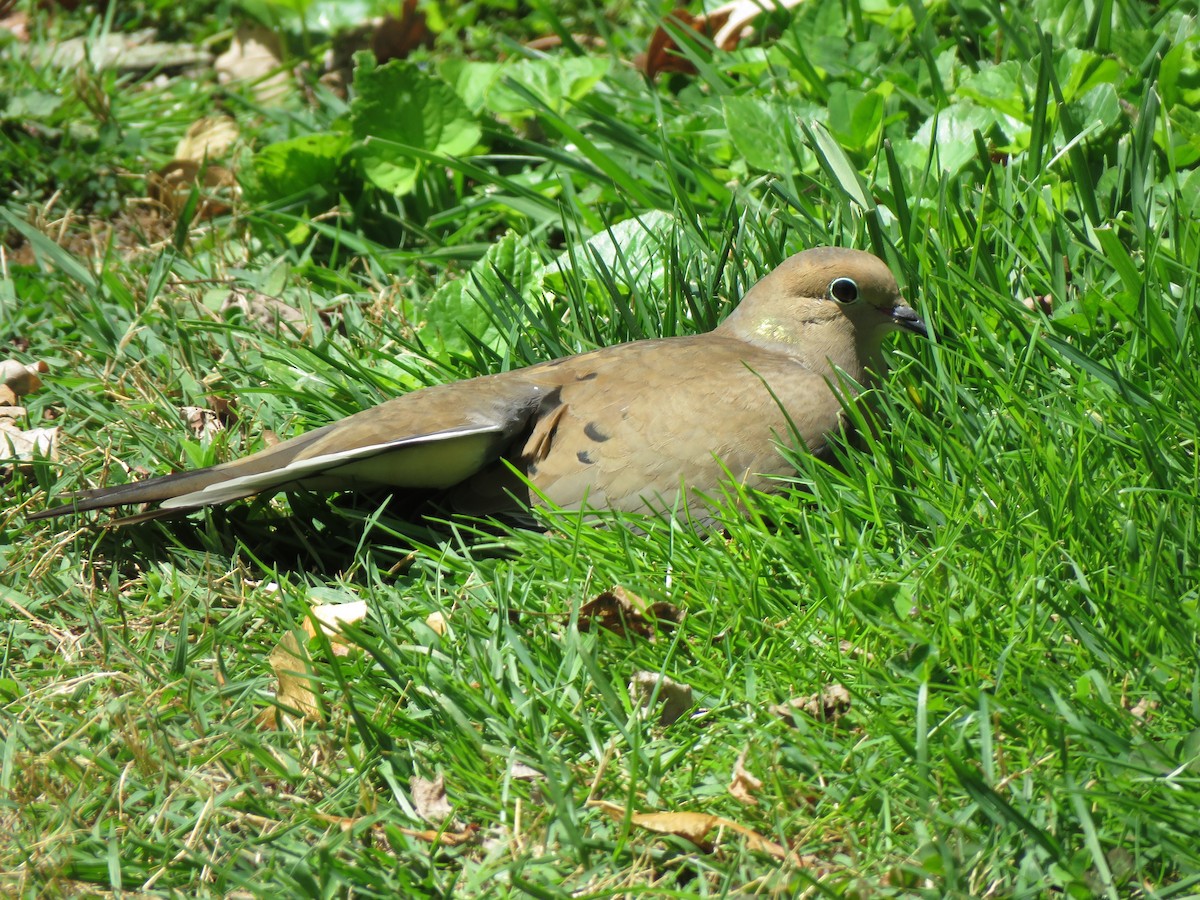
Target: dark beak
[{"x": 906, "y": 317}]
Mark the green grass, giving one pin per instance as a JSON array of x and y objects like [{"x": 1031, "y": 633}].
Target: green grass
[{"x": 1002, "y": 568}]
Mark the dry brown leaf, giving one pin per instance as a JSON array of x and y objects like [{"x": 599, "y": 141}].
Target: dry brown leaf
[
  {"x": 429, "y": 799},
  {"x": 743, "y": 784},
  {"x": 332, "y": 617},
  {"x": 828, "y": 705},
  {"x": 674, "y": 698},
  {"x": 624, "y": 612},
  {"x": 445, "y": 838},
  {"x": 202, "y": 422},
  {"x": 693, "y": 826},
  {"x": 437, "y": 623},
  {"x": 725, "y": 27},
  {"x": 26, "y": 444},
  {"x": 398, "y": 36},
  {"x": 266, "y": 313},
  {"x": 1043, "y": 303},
  {"x": 207, "y": 139},
  {"x": 171, "y": 187},
  {"x": 1144, "y": 709},
  {"x": 18, "y": 379},
  {"x": 254, "y": 57},
  {"x": 294, "y": 671}
]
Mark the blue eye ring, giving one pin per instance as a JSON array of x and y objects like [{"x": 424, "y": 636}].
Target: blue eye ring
[{"x": 843, "y": 290}]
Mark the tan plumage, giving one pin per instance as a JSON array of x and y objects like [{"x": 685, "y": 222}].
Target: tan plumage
[{"x": 623, "y": 427}]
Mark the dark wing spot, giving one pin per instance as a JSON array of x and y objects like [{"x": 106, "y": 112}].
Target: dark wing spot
[
  {"x": 531, "y": 469},
  {"x": 584, "y": 458},
  {"x": 593, "y": 432},
  {"x": 588, "y": 377}
]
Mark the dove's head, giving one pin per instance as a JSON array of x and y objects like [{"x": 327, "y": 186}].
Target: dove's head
[{"x": 825, "y": 305}]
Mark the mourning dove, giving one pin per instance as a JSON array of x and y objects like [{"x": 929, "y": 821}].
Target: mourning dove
[{"x": 650, "y": 425}]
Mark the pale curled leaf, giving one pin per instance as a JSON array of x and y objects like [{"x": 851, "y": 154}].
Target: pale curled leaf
[
  {"x": 429, "y": 835},
  {"x": 27, "y": 444},
  {"x": 693, "y": 826},
  {"x": 743, "y": 784},
  {"x": 827, "y": 705},
  {"x": 624, "y": 612},
  {"x": 207, "y": 139},
  {"x": 202, "y": 422},
  {"x": 332, "y": 617},
  {"x": 266, "y": 313},
  {"x": 253, "y": 57},
  {"x": 674, "y": 698},
  {"x": 429, "y": 799},
  {"x": 294, "y": 671},
  {"x": 437, "y": 623},
  {"x": 20, "y": 378}
]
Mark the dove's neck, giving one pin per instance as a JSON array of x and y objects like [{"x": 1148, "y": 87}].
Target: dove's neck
[{"x": 821, "y": 343}]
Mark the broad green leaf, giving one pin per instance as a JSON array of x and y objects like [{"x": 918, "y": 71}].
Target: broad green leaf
[
  {"x": 1101, "y": 104},
  {"x": 1002, "y": 87},
  {"x": 1181, "y": 135},
  {"x": 470, "y": 80},
  {"x": 949, "y": 136},
  {"x": 518, "y": 89},
  {"x": 855, "y": 118},
  {"x": 766, "y": 131},
  {"x": 467, "y": 305},
  {"x": 1080, "y": 71},
  {"x": 399, "y": 106},
  {"x": 633, "y": 246},
  {"x": 294, "y": 167},
  {"x": 1179, "y": 76},
  {"x": 30, "y": 104}
]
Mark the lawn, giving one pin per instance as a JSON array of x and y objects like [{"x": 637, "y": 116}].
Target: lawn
[{"x": 961, "y": 659}]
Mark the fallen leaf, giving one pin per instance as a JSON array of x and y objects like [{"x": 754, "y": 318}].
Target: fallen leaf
[
  {"x": 265, "y": 312},
  {"x": 1144, "y": 709},
  {"x": 522, "y": 772},
  {"x": 294, "y": 671},
  {"x": 397, "y": 36},
  {"x": 725, "y": 27},
  {"x": 693, "y": 826},
  {"x": 207, "y": 139},
  {"x": 743, "y": 784},
  {"x": 437, "y": 623},
  {"x": 548, "y": 42},
  {"x": 332, "y": 617},
  {"x": 124, "y": 51},
  {"x": 674, "y": 698},
  {"x": 22, "y": 378},
  {"x": 17, "y": 443},
  {"x": 253, "y": 58},
  {"x": 202, "y": 422},
  {"x": 1043, "y": 303},
  {"x": 445, "y": 838},
  {"x": 171, "y": 187},
  {"x": 624, "y": 612},
  {"x": 827, "y": 705},
  {"x": 14, "y": 21},
  {"x": 27, "y": 444},
  {"x": 429, "y": 799}
]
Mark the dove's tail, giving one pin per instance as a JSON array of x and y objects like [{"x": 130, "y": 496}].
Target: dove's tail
[{"x": 151, "y": 490}]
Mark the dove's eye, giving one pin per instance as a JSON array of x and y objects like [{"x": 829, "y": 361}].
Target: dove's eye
[{"x": 843, "y": 290}]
